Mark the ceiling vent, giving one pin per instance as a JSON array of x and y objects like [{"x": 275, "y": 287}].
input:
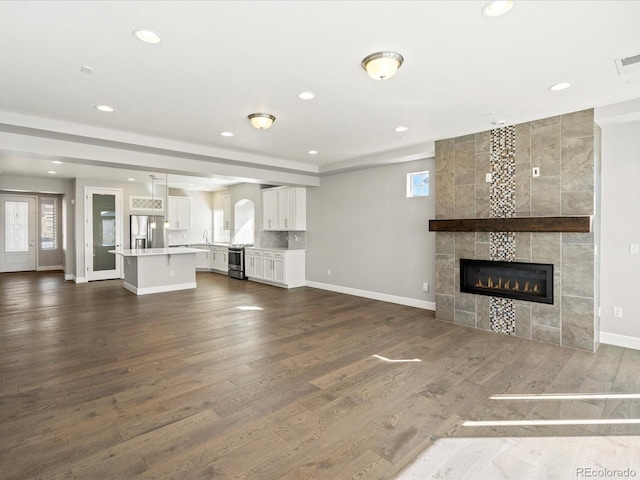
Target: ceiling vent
[{"x": 628, "y": 65}]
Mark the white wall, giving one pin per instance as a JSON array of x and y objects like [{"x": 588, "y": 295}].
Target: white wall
[
  {"x": 373, "y": 239},
  {"x": 620, "y": 227}
]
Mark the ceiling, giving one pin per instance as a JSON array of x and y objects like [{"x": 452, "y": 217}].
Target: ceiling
[{"x": 222, "y": 60}]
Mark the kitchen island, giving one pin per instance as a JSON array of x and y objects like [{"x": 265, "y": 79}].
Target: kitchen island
[{"x": 155, "y": 270}]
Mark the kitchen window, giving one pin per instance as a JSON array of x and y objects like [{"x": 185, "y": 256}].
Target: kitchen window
[{"x": 418, "y": 184}]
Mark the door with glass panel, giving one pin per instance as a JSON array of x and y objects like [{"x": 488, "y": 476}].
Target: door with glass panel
[
  {"x": 18, "y": 239},
  {"x": 103, "y": 232}
]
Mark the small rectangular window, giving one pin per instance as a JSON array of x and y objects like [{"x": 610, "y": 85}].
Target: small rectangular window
[
  {"x": 48, "y": 224},
  {"x": 418, "y": 184}
]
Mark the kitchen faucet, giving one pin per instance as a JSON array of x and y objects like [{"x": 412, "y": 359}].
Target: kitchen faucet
[{"x": 205, "y": 235}]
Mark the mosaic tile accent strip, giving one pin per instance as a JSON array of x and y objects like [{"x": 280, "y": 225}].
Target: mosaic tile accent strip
[
  {"x": 502, "y": 204},
  {"x": 502, "y": 315},
  {"x": 502, "y": 196}
]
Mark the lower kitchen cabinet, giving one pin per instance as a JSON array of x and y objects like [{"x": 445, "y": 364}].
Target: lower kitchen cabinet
[
  {"x": 284, "y": 268},
  {"x": 220, "y": 259}
]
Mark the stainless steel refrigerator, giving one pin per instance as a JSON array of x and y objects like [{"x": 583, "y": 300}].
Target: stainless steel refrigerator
[{"x": 147, "y": 231}]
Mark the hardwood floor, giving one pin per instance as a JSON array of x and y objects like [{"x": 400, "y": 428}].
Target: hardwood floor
[{"x": 97, "y": 383}]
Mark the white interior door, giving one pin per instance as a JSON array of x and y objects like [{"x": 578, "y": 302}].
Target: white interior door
[
  {"x": 18, "y": 239},
  {"x": 103, "y": 232}
]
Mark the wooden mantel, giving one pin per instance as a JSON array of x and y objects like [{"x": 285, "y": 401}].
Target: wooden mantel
[{"x": 580, "y": 224}]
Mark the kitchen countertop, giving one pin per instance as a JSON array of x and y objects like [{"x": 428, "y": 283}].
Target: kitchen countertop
[{"x": 144, "y": 252}]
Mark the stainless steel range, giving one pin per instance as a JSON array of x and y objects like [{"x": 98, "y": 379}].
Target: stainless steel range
[{"x": 236, "y": 262}]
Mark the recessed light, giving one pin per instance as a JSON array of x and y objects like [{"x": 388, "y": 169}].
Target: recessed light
[
  {"x": 104, "y": 108},
  {"x": 498, "y": 123},
  {"x": 560, "y": 86},
  {"x": 57, "y": 162},
  {"x": 51, "y": 172},
  {"x": 401, "y": 129},
  {"x": 227, "y": 134},
  {"x": 131, "y": 179},
  {"x": 147, "y": 36},
  {"x": 86, "y": 69},
  {"x": 312, "y": 152},
  {"x": 497, "y": 8},
  {"x": 306, "y": 95}
]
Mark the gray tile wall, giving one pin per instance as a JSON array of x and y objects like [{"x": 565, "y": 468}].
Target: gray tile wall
[{"x": 566, "y": 149}]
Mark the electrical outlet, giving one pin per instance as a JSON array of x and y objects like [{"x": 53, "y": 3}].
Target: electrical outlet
[
  {"x": 617, "y": 312},
  {"x": 425, "y": 287},
  {"x": 172, "y": 273},
  {"x": 634, "y": 249}
]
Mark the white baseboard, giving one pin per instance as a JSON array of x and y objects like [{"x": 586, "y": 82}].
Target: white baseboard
[
  {"x": 160, "y": 289},
  {"x": 620, "y": 340},
  {"x": 80, "y": 279},
  {"x": 409, "y": 302},
  {"x": 69, "y": 276},
  {"x": 49, "y": 267}
]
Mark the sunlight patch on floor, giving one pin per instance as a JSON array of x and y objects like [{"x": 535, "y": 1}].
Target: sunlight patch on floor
[{"x": 534, "y": 458}]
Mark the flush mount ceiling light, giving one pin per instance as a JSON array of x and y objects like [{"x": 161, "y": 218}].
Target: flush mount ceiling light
[
  {"x": 104, "y": 108},
  {"x": 382, "y": 65},
  {"x": 559, "y": 86},
  {"x": 147, "y": 36},
  {"x": 497, "y": 8},
  {"x": 261, "y": 121}
]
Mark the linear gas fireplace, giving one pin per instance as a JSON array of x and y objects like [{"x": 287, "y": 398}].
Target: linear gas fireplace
[{"x": 522, "y": 281}]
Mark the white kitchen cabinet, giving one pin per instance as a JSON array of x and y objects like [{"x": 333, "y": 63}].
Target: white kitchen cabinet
[
  {"x": 179, "y": 213},
  {"x": 292, "y": 208},
  {"x": 220, "y": 259},
  {"x": 284, "y": 268},
  {"x": 284, "y": 208},
  {"x": 270, "y": 209},
  {"x": 203, "y": 260},
  {"x": 226, "y": 212},
  {"x": 254, "y": 264}
]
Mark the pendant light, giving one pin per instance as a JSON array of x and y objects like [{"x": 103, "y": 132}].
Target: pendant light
[
  {"x": 166, "y": 202},
  {"x": 153, "y": 201}
]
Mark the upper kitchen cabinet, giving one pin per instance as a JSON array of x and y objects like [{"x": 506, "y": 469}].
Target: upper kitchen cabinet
[
  {"x": 284, "y": 208},
  {"x": 179, "y": 213},
  {"x": 226, "y": 212}
]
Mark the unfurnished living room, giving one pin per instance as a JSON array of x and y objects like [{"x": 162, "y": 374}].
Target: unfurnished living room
[{"x": 319, "y": 240}]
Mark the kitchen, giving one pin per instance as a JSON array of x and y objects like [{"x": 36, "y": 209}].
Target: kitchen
[{"x": 233, "y": 215}]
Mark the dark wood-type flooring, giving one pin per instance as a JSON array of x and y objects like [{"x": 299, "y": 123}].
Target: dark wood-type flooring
[{"x": 97, "y": 383}]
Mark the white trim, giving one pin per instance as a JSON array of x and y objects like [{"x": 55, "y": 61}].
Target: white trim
[
  {"x": 80, "y": 279},
  {"x": 160, "y": 289},
  {"x": 620, "y": 340},
  {"x": 69, "y": 276},
  {"x": 409, "y": 302},
  {"x": 49, "y": 267}
]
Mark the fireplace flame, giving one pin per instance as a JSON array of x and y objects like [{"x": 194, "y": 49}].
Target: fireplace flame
[{"x": 500, "y": 285}]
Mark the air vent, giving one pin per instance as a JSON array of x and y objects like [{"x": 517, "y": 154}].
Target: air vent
[{"x": 628, "y": 65}]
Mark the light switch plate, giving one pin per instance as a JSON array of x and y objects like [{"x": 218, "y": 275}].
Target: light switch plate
[
  {"x": 535, "y": 172},
  {"x": 634, "y": 248},
  {"x": 487, "y": 177}
]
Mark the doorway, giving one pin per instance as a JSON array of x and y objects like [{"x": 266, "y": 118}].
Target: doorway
[
  {"x": 103, "y": 232},
  {"x": 18, "y": 239}
]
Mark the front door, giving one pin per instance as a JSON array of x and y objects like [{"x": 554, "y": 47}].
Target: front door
[
  {"x": 18, "y": 238},
  {"x": 103, "y": 232}
]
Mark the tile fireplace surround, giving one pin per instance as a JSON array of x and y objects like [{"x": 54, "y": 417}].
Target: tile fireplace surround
[{"x": 566, "y": 149}]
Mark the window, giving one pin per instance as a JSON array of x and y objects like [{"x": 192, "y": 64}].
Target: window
[
  {"x": 16, "y": 227},
  {"x": 418, "y": 184},
  {"x": 48, "y": 224}
]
